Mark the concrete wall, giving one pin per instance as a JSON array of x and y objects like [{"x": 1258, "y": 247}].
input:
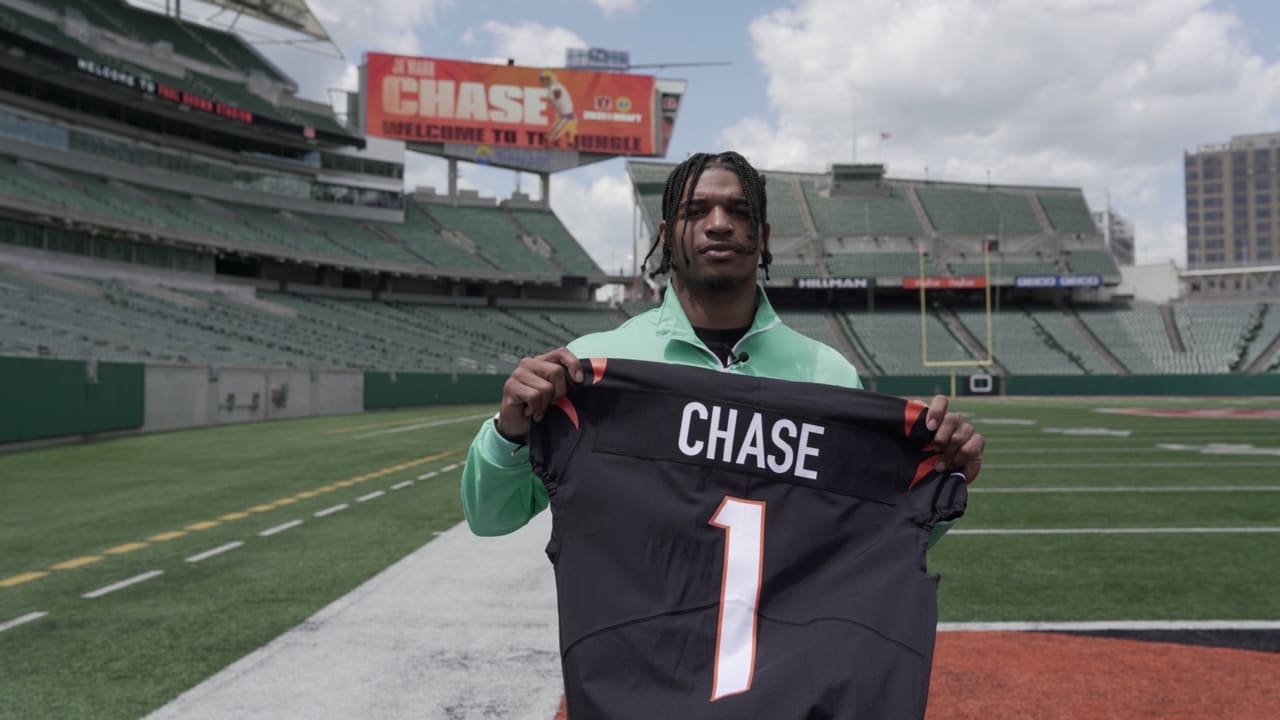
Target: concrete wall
[{"x": 180, "y": 396}]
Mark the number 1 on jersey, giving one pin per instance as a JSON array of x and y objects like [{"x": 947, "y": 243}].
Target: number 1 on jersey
[{"x": 743, "y": 525}]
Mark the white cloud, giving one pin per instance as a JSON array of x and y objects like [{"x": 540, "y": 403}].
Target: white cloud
[
  {"x": 609, "y": 7},
  {"x": 598, "y": 213},
  {"x": 1093, "y": 93},
  {"x": 530, "y": 43}
]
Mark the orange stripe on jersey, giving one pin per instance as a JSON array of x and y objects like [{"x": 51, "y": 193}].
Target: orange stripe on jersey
[
  {"x": 566, "y": 405},
  {"x": 597, "y": 369},
  {"x": 913, "y": 410},
  {"x": 922, "y": 470}
]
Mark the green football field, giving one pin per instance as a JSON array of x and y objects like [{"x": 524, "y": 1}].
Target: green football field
[{"x": 131, "y": 569}]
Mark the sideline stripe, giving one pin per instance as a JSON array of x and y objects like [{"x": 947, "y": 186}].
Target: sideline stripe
[
  {"x": 285, "y": 501},
  {"x": 203, "y": 525},
  {"x": 215, "y": 551},
  {"x": 372, "y": 495},
  {"x": 420, "y": 426},
  {"x": 390, "y": 423},
  {"x": 167, "y": 536},
  {"x": 22, "y": 578},
  {"x": 21, "y": 620},
  {"x": 125, "y": 548},
  {"x": 122, "y": 584},
  {"x": 1072, "y": 466},
  {"x": 402, "y": 485},
  {"x": 428, "y": 476},
  {"x": 280, "y": 528},
  {"x": 1104, "y": 625},
  {"x": 1113, "y": 531},
  {"x": 261, "y": 508},
  {"x": 1130, "y": 489},
  {"x": 330, "y": 511},
  {"x": 233, "y": 516},
  {"x": 74, "y": 563}
]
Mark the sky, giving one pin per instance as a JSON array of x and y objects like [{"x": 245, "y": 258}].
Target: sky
[{"x": 1104, "y": 95}]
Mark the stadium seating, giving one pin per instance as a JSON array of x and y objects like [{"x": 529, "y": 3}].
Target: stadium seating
[
  {"x": 892, "y": 339},
  {"x": 861, "y": 216},
  {"x": 1021, "y": 344},
  {"x": 812, "y": 323},
  {"x": 494, "y": 234},
  {"x": 568, "y": 253},
  {"x": 1213, "y": 335},
  {"x": 1134, "y": 334},
  {"x": 1067, "y": 212},
  {"x": 1055, "y": 324},
  {"x": 786, "y": 219},
  {"x": 960, "y": 211},
  {"x": 1268, "y": 330},
  {"x": 1091, "y": 262}
]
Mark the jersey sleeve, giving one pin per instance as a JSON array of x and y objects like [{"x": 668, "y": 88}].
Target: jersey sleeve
[{"x": 500, "y": 493}]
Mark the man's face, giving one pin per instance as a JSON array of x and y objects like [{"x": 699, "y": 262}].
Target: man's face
[{"x": 712, "y": 248}]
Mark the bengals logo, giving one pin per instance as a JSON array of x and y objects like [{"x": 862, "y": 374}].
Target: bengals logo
[{"x": 604, "y": 103}]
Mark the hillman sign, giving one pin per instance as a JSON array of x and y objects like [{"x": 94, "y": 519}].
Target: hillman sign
[{"x": 833, "y": 283}]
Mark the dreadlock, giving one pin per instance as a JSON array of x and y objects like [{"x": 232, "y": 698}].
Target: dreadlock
[{"x": 679, "y": 190}]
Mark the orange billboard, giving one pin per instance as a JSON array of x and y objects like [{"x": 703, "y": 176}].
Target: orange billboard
[{"x": 427, "y": 100}]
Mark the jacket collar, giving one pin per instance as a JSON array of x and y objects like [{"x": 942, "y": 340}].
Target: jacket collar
[{"x": 673, "y": 323}]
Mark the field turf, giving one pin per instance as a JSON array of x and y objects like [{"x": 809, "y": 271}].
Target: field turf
[{"x": 1199, "y": 530}]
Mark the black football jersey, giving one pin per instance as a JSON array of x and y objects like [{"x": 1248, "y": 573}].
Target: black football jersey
[{"x": 728, "y": 546}]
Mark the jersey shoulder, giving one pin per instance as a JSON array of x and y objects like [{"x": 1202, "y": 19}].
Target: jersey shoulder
[{"x": 619, "y": 341}]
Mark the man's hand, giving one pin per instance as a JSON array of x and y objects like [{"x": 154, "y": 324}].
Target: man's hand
[
  {"x": 534, "y": 385},
  {"x": 960, "y": 444}
]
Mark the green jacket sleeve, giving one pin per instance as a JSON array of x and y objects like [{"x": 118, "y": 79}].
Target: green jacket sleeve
[{"x": 500, "y": 493}]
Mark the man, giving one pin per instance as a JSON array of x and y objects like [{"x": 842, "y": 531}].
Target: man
[
  {"x": 714, "y": 234},
  {"x": 566, "y": 123}
]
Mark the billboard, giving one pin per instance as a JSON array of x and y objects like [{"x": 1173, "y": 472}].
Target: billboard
[
  {"x": 962, "y": 282},
  {"x": 428, "y": 100},
  {"x": 1051, "y": 281},
  {"x": 833, "y": 283}
]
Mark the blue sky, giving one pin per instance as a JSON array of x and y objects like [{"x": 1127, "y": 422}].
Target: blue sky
[{"x": 1099, "y": 94}]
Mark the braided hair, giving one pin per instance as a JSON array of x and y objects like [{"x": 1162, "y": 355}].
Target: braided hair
[{"x": 679, "y": 190}]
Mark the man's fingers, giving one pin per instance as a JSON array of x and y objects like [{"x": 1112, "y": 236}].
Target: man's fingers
[
  {"x": 947, "y": 427},
  {"x": 562, "y": 357},
  {"x": 937, "y": 411},
  {"x": 971, "y": 456},
  {"x": 962, "y": 434}
]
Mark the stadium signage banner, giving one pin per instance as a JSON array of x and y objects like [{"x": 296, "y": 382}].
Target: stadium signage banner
[
  {"x": 963, "y": 282},
  {"x": 450, "y": 101},
  {"x": 833, "y": 283},
  {"x": 168, "y": 92},
  {"x": 1051, "y": 281}
]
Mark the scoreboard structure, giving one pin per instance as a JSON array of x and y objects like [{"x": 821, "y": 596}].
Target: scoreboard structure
[{"x": 538, "y": 120}]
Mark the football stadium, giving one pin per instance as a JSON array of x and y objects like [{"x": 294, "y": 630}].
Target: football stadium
[{"x": 241, "y": 364}]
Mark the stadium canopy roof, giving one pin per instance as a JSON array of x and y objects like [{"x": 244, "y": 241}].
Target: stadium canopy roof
[{"x": 292, "y": 14}]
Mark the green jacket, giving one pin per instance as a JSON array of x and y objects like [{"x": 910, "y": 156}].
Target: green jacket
[{"x": 500, "y": 493}]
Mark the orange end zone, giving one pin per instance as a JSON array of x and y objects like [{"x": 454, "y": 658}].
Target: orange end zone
[{"x": 1050, "y": 676}]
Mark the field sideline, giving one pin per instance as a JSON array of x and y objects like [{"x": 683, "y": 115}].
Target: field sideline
[{"x": 133, "y": 569}]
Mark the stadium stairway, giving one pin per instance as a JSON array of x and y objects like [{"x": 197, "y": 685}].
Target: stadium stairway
[
  {"x": 964, "y": 335},
  {"x": 1070, "y": 317}
]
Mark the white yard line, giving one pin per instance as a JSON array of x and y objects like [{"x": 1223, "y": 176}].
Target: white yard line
[
  {"x": 280, "y": 528},
  {"x": 10, "y": 624},
  {"x": 215, "y": 551},
  {"x": 1114, "y": 531},
  {"x": 1129, "y": 489},
  {"x": 402, "y": 485},
  {"x": 420, "y": 426},
  {"x": 123, "y": 584},
  {"x": 330, "y": 511},
  {"x": 448, "y": 468},
  {"x": 372, "y": 495},
  {"x": 1109, "y": 625},
  {"x": 428, "y": 475}
]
